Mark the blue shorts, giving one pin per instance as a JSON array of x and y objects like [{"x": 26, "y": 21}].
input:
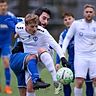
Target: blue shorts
[
  {"x": 5, "y": 50},
  {"x": 17, "y": 65}
]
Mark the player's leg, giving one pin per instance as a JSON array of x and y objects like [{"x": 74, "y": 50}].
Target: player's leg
[
  {"x": 78, "y": 86},
  {"x": 47, "y": 60},
  {"x": 81, "y": 68},
  {"x": 21, "y": 82},
  {"x": 31, "y": 62},
  {"x": 67, "y": 90},
  {"x": 30, "y": 91},
  {"x": 20, "y": 61},
  {"x": 5, "y": 59},
  {"x": 92, "y": 72},
  {"x": 89, "y": 86},
  {"x": 0, "y": 75},
  {"x": 22, "y": 91}
]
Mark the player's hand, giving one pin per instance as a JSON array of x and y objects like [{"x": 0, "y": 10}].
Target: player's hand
[
  {"x": 16, "y": 35},
  {"x": 64, "y": 62},
  {"x": 57, "y": 66}
]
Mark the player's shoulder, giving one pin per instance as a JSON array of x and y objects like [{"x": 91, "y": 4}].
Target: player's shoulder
[
  {"x": 93, "y": 21},
  {"x": 77, "y": 22},
  {"x": 42, "y": 31},
  {"x": 20, "y": 26},
  {"x": 20, "y": 19},
  {"x": 10, "y": 14},
  {"x": 40, "y": 28}
]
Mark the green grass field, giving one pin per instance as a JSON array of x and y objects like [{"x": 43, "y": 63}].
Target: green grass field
[{"x": 42, "y": 92}]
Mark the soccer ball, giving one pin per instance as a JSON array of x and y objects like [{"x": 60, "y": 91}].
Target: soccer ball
[{"x": 64, "y": 75}]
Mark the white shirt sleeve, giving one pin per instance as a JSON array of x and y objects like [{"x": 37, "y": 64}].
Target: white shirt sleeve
[
  {"x": 51, "y": 41},
  {"x": 68, "y": 37}
]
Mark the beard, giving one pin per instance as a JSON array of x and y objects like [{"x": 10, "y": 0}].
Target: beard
[{"x": 43, "y": 25}]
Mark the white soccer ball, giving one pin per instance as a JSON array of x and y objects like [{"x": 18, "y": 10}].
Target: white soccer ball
[{"x": 64, "y": 75}]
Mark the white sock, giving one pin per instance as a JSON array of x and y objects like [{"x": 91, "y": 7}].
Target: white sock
[
  {"x": 94, "y": 91},
  {"x": 48, "y": 62},
  {"x": 30, "y": 94},
  {"x": 77, "y": 91}
]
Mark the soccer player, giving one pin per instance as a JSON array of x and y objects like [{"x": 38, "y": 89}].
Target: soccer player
[
  {"x": 84, "y": 32},
  {"x": 5, "y": 42},
  {"x": 35, "y": 40},
  {"x": 68, "y": 20},
  {"x": 44, "y": 57},
  {"x": 44, "y": 15}
]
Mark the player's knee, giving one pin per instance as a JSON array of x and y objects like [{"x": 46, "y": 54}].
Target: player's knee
[
  {"x": 41, "y": 50},
  {"x": 31, "y": 56},
  {"x": 6, "y": 62},
  {"x": 79, "y": 82}
]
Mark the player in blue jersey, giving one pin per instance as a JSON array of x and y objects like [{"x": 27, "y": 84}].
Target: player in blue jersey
[
  {"x": 68, "y": 19},
  {"x": 5, "y": 42}
]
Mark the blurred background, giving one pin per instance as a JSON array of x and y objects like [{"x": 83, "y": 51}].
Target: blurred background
[{"x": 57, "y": 8}]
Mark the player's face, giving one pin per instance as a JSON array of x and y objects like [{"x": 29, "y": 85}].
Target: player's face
[
  {"x": 44, "y": 19},
  {"x": 31, "y": 28},
  {"x": 68, "y": 21},
  {"x": 89, "y": 14},
  {"x": 3, "y": 8}
]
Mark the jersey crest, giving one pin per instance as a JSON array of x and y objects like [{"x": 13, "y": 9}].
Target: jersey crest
[{"x": 35, "y": 38}]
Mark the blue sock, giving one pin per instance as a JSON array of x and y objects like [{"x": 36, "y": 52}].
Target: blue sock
[
  {"x": 67, "y": 90},
  {"x": 32, "y": 69},
  {"x": 7, "y": 76},
  {"x": 89, "y": 89}
]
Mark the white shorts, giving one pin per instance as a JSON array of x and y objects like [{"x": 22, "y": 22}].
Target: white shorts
[
  {"x": 82, "y": 64},
  {"x": 40, "y": 66}
]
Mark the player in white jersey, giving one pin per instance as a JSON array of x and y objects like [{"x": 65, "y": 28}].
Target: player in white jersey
[
  {"x": 84, "y": 32},
  {"x": 36, "y": 40}
]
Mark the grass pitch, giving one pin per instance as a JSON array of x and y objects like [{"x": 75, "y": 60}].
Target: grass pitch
[{"x": 45, "y": 75}]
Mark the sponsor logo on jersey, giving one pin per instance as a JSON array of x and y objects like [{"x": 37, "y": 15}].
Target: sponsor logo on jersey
[{"x": 3, "y": 26}]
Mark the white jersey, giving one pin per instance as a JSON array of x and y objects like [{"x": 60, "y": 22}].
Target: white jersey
[
  {"x": 41, "y": 39},
  {"x": 84, "y": 37}
]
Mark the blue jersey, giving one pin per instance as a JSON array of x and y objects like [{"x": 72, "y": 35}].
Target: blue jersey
[
  {"x": 5, "y": 30},
  {"x": 70, "y": 48}
]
